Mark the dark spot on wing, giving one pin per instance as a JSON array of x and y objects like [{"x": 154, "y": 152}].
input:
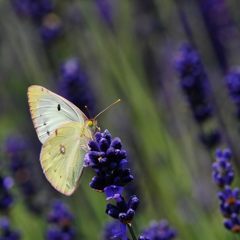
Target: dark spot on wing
[
  {"x": 48, "y": 133},
  {"x": 44, "y": 124},
  {"x": 59, "y": 107},
  {"x": 62, "y": 149}
]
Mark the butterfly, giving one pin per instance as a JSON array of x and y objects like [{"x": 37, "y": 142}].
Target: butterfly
[{"x": 64, "y": 130}]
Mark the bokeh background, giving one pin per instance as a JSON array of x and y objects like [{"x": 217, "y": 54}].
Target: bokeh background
[{"x": 96, "y": 51}]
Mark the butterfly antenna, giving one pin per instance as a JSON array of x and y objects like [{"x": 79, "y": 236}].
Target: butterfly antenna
[
  {"x": 104, "y": 110},
  {"x": 87, "y": 110}
]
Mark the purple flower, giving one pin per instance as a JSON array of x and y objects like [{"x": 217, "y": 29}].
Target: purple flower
[
  {"x": 195, "y": 85},
  {"x": 194, "y": 82},
  {"x": 35, "y": 9},
  {"x": 210, "y": 139},
  {"x": 229, "y": 198},
  {"x": 233, "y": 84},
  {"x": 16, "y": 148},
  {"x": 115, "y": 231},
  {"x": 113, "y": 192},
  {"x": 51, "y": 28},
  {"x": 42, "y": 13},
  {"x": 109, "y": 161},
  {"x": 105, "y": 10},
  {"x": 223, "y": 173},
  {"x": 229, "y": 201},
  {"x": 158, "y": 231},
  {"x": 7, "y": 233},
  {"x": 220, "y": 29},
  {"x": 123, "y": 211},
  {"x": 233, "y": 223},
  {"x": 60, "y": 220},
  {"x": 74, "y": 85},
  {"x": 6, "y": 198}
]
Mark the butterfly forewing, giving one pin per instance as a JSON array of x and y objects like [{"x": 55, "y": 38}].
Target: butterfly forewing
[
  {"x": 62, "y": 156},
  {"x": 49, "y": 111}
]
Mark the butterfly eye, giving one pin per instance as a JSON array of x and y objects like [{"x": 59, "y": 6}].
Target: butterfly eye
[{"x": 90, "y": 123}]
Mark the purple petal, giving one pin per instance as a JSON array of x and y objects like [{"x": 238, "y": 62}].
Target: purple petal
[{"x": 113, "y": 192}]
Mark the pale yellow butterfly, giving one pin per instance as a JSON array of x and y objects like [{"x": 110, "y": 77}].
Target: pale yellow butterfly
[{"x": 64, "y": 130}]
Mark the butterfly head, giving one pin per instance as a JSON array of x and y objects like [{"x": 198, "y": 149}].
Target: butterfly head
[{"x": 92, "y": 124}]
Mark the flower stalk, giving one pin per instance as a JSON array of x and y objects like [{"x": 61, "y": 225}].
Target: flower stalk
[{"x": 131, "y": 231}]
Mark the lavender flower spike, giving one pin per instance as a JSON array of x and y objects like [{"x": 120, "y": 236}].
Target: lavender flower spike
[
  {"x": 233, "y": 84},
  {"x": 105, "y": 10},
  {"x": 6, "y": 199},
  {"x": 34, "y": 9},
  {"x": 229, "y": 198},
  {"x": 220, "y": 30},
  {"x": 195, "y": 85},
  {"x": 7, "y": 233},
  {"x": 60, "y": 220},
  {"x": 114, "y": 230},
  {"x": 233, "y": 223},
  {"x": 109, "y": 161},
  {"x": 223, "y": 173},
  {"x": 194, "y": 82},
  {"x": 158, "y": 231}
]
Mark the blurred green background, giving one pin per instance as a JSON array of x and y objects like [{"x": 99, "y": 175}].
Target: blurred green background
[{"x": 172, "y": 168}]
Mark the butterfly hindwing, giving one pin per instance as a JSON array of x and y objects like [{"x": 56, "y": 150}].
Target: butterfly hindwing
[
  {"x": 62, "y": 156},
  {"x": 49, "y": 111}
]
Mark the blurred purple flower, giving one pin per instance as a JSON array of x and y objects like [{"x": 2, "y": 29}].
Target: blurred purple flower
[
  {"x": 51, "y": 28},
  {"x": 35, "y": 9},
  {"x": 233, "y": 223},
  {"x": 158, "y": 231},
  {"x": 6, "y": 198},
  {"x": 7, "y": 233},
  {"x": 74, "y": 85},
  {"x": 194, "y": 82},
  {"x": 60, "y": 223},
  {"x": 220, "y": 29},
  {"x": 195, "y": 85},
  {"x": 115, "y": 231},
  {"x": 16, "y": 148},
  {"x": 229, "y": 201},
  {"x": 210, "y": 139},
  {"x": 233, "y": 84},
  {"x": 42, "y": 13},
  {"x": 105, "y": 10}
]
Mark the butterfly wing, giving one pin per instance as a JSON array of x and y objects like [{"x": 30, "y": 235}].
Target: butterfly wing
[
  {"x": 62, "y": 156},
  {"x": 49, "y": 111}
]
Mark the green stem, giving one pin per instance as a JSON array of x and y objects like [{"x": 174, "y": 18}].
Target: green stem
[{"x": 130, "y": 228}]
